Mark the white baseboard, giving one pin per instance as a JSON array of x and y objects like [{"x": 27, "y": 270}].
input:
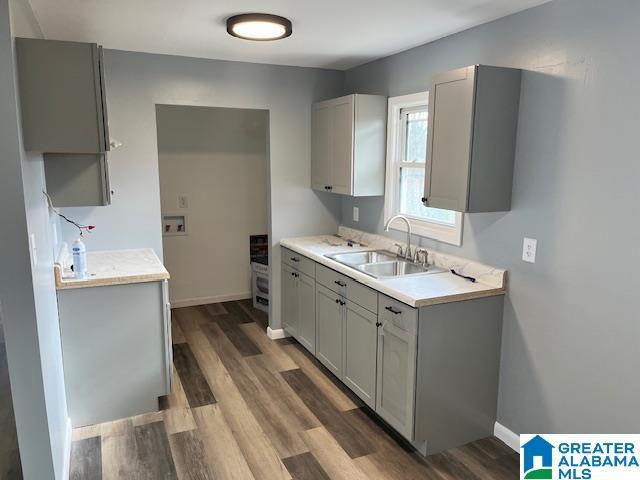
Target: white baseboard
[
  {"x": 507, "y": 436},
  {"x": 191, "y": 302},
  {"x": 276, "y": 334},
  {"x": 67, "y": 450}
]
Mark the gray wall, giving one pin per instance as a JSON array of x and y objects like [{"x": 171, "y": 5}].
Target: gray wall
[
  {"x": 27, "y": 295},
  {"x": 136, "y": 82},
  {"x": 570, "y": 353}
]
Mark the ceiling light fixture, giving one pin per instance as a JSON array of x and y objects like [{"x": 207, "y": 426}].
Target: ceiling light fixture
[{"x": 258, "y": 26}]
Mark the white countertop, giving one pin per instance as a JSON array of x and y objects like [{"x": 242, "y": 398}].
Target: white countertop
[
  {"x": 416, "y": 291},
  {"x": 114, "y": 267}
]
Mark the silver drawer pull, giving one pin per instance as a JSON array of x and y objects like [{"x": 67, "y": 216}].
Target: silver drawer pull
[
  {"x": 340, "y": 284},
  {"x": 393, "y": 310},
  {"x": 295, "y": 259}
]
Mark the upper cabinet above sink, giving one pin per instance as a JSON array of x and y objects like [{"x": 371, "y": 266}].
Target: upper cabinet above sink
[
  {"x": 348, "y": 136},
  {"x": 473, "y": 118}
]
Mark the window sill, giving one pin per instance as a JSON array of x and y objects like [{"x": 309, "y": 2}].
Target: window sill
[{"x": 433, "y": 231}]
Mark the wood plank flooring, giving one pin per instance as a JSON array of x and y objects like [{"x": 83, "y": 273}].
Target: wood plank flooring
[{"x": 247, "y": 407}]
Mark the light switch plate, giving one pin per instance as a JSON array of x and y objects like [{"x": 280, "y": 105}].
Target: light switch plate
[
  {"x": 34, "y": 250},
  {"x": 183, "y": 201},
  {"x": 356, "y": 214},
  {"x": 529, "y": 247}
]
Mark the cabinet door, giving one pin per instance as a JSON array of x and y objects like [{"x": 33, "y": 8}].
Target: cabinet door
[
  {"x": 289, "y": 300},
  {"x": 320, "y": 146},
  {"x": 62, "y": 101},
  {"x": 307, "y": 312},
  {"x": 343, "y": 112},
  {"x": 360, "y": 339},
  {"x": 329, "y": 320},
  {"x": 395, "y": 389},
  {"x": 449, "y": 139}
]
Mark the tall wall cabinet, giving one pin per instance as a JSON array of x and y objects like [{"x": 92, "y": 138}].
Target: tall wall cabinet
[
  {"x": 348, "y": 136},
  {"x": 473, "y": 119},
  {"x": 64, "y": 117}
]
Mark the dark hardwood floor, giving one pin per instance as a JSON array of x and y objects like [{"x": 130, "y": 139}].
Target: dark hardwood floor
[{"x": 246, "y": 407}]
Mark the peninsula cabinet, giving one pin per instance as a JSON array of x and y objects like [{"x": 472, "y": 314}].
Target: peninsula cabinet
[
  {"x": 471, "y": 140},
  {"x": 348, "y": 138},
  {"x": 298, "y": 299},
  {"x": 62, "y": 96}
]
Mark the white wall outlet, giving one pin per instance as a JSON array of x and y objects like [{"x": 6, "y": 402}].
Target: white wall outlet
[
  {"x": 356, "y": 214},
  {"x": 183, "y": 201},
  {"x": 529, "y": 250}
]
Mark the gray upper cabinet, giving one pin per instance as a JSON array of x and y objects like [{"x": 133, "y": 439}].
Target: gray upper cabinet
[
  {"x": 62, "y": 96},
  {"x": 77, "y": 180},
  {"x": 473, "y": 118},
  {"x": 348, "y": 137}
]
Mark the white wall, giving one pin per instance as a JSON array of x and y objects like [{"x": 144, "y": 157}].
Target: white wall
[
  {"x": 27, "y": 295},
  {"x": 136, "y": 82},
  {"x": 217, "y": 157}
]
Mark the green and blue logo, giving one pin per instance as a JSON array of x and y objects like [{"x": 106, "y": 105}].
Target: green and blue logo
[
  {"x": 537, "y": 459},
  {"x": 580, "y": 457}
]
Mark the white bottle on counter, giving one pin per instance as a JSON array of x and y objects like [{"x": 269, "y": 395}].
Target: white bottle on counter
[{"x": 79, "y": 258}]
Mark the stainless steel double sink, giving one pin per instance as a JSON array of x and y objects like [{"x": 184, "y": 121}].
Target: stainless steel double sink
[{"x": 382, "y": 264}]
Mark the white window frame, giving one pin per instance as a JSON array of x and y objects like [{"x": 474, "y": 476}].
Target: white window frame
[{"x": 421, "y": 227}]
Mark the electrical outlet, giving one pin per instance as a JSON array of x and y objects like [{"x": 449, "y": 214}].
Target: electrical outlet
[
  {"x": 529, "y": 250},
  {"x": 183, "y": 201},
  {"x": 356, "y": 214}
]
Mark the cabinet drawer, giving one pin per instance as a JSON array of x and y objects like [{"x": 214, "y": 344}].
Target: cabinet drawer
[
  {"x": 398, "y": 314},
  {"x": 299, "y": 262},
  {"x": 347, "y": 287}
]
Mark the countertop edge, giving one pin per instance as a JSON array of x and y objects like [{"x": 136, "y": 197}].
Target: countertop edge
[{"x": 376, "y": 285}]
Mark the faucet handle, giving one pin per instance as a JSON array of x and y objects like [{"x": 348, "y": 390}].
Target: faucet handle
[
  {"x": 400, "y": 249},
  {"x": 424, "y": 253}
]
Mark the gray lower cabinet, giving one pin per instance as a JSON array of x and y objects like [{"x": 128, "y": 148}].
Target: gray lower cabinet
[
  {"x": 289, "y": 301},
  {"x": 307, "y": 312},
  {"x": 116, "y": 347},
  {"x": 360, "y": 356},
  {"x": 431, "y": 373},
  {"x": 329, "y": 327},
  {"x": 396, "y": 377},
  {"x": 298, "y": 306}
]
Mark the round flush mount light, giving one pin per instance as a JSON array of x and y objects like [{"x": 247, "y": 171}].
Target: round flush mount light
[{"x": 259, "y": 26}]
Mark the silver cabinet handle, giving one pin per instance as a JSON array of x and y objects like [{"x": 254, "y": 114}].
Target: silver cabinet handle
[
  {"x": 295, "y": 259},
  {"x": 339, "y": 283},
  {"x": 393, "y": 310}
]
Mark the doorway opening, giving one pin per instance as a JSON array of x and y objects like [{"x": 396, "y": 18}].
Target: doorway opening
[{"x": 214, "y": 193}]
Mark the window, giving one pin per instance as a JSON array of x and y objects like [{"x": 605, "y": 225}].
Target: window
[{"x": 406, "y": 157}]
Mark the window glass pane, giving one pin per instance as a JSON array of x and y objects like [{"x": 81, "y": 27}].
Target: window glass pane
[
  {"x": 416, "y": 141},
  {"x": 411, "y": 190}
]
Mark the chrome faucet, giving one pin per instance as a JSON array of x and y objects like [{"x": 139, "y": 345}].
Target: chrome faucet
[{"x": 407, "y": 253}]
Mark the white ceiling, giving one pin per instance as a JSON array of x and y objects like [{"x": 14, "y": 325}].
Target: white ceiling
[{"x": 326, "y": 33}]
